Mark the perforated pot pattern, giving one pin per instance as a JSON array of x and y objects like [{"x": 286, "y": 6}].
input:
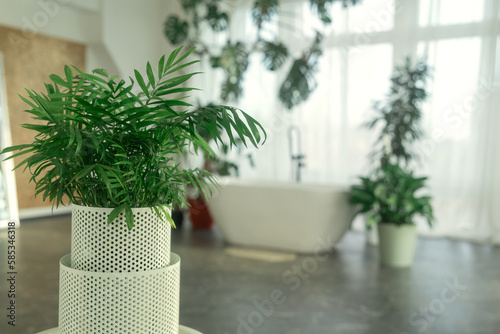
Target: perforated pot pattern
[
  {"x": 101, "y": 247},
  {"x": 135, "y": 303}
]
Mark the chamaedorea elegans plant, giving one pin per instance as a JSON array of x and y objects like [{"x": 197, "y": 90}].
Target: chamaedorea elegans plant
[{"x": 99, "y": 143}]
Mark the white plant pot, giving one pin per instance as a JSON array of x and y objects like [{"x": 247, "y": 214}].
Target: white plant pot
[
  {"x": 102, "y": 247},
  {"x": 130, "y": 302},
  {"x": 397, "y": 244},
  {"x": 116, "y": 280}
]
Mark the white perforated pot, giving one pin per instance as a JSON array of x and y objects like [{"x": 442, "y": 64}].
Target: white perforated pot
[
  {"x": 136, "y": 302},
  {"x": 118, "y": 280},
  {"x": 102, "y": 247}
]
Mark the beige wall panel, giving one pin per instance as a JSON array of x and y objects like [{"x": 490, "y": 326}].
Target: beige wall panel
[{"x": 28, "y": 62}]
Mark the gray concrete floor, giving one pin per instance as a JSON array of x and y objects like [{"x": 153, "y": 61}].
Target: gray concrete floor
[{"x": 453, "y": 287}]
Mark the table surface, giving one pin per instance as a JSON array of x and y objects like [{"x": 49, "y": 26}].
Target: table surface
[{"x": 182, "y": 330}]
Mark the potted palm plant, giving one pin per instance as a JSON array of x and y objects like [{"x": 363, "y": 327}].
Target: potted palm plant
[
  {"x": 391, "y": 201},
  {"x": 109, "y": 147}
]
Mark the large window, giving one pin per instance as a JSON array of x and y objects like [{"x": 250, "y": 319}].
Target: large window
[
  {"x": 462, "y": 147},
  {"x": 446, "y": 12}
]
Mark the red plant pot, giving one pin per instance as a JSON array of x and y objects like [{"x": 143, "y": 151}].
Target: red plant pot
[{"x": 199, "y": 214}]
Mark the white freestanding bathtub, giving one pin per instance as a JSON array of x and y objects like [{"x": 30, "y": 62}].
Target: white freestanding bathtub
[{"x": 293, "y": 217}]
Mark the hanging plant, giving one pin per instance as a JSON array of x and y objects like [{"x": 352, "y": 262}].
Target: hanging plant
[
  {"x": 218, "y": 20},
  {"x": 275, "y": 55},
  {"x": 176, "y": 30},
  {"x": 323, "y": 7},
  {"x": 299, "y": 82},
  {"x": 264, "y": 11},
  {"x": 234, "y": 61}
]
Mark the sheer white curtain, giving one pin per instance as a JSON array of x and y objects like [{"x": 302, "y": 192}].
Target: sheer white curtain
[{"x": 461, "y": 153}]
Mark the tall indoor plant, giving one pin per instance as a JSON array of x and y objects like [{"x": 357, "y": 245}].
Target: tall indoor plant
[
  {"x": 110, "y": 150},
  {"x": 388, "y": 194}
]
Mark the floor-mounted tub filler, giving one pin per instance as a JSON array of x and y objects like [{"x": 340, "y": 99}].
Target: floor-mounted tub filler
[{"x": 300, "y": 218}]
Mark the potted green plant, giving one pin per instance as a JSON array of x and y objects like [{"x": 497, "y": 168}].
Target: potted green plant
[
  {"x": 391, "y": 201},
  {"x": 109, "y": 147},
  {"x": 398, "y": 120}
]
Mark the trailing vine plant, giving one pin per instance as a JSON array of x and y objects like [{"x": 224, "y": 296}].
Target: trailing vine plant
[{"x": 233, "y": 58}]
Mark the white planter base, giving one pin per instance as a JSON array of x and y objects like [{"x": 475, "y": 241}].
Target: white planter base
[
  {"x": 101, "y": 247},
  {"x": 397, "y": 244},
  {"x": 182, "y": 330},
  {"x": 127, "y": 302}
]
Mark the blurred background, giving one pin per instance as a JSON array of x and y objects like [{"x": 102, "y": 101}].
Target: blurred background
[{"x": 360, "y": 48}]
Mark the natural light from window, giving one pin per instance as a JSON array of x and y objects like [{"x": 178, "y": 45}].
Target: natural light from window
[
  {"x": 447, "y": 12},
  {"x": 455, "y": 81}
]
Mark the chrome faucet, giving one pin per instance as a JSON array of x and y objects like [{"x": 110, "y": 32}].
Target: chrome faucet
[{"x": 296, "y": 155}]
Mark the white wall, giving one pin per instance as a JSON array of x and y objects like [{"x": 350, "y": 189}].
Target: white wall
[
  {"x": 134, "y": 36},
  {"x": 120, "y": 35},
  {"x": 61, "y": 18}
]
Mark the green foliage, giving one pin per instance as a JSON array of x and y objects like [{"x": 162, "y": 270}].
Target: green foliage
[
  {"x": 263, "y": 11},
  {"x": 218, "y": 20},
  {"x": 275, "y": 55},
  {"x": 300, "y": 82},
  {"x": 234, "y": 61},
  {"x": 190, "y": 5},
  {"x": 98, "y": 143},
  {"x": 400, "y": 114},
  {"x": 347, "y": 3},
  {"x": 176, "y": 30},
  {"x": 224, "y": 167},
  {"x": 219, "y": 164},
  {"x": 322, "y": 7},
  {"x": 390, "y": 197}
]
